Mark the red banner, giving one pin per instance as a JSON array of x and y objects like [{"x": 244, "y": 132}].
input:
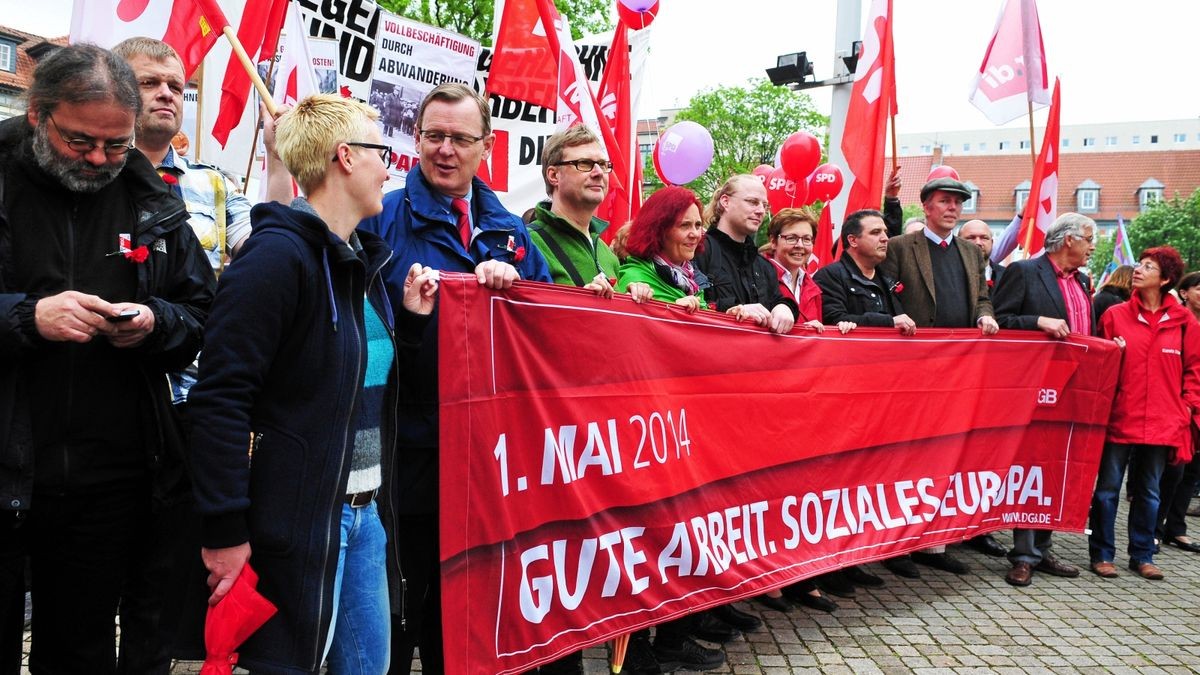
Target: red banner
[{"x": 606, "y": 466}]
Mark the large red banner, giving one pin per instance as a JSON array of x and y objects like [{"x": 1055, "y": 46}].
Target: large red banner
[{"x": 606, "y": 465}]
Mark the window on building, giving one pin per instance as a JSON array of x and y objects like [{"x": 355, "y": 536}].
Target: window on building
[
  {"x": 1024, "y": 145},
  {"x": 646, "y": 147},
  {"x": 1110, "y": 140},
  {"x": 1022, "y": 196},
  {"x": 1087, "y": 201},
  {"x": 1066, "y": 142},
  {"x": 971, "y": 205},
  {"x": 966, "y": 147},
  {"x": 945, "y": 148},
  {"x": 904, "y": 149},
  {"x": 1136, "y": 140},
  {"x": 1089, "y": 142},
  {"x": 982, "y": 146},
  {"x": 1180, "y": 138},
  {"x": 926, "y": 149},
  {"x": 1153, "y": 138},
  {"x": 8, "y": 56},
  {"x": 1147, "y": 197},
  {"x": 1003, "y": 145}
]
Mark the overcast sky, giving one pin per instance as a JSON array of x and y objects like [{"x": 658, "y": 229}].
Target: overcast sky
[{"x": 1117, "y": 61}]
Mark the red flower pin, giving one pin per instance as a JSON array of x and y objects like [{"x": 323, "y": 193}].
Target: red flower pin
[
  {"x": 897, "y": 288},
  {"x": 519, "y": 254},
  {"x": 170, "y": 179},
  {"x": 991, "y": 283},
  {"x": 138, "y": 255}
]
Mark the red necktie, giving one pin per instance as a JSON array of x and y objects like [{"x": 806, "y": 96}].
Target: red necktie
[
  {"x": 461, "y": 207},
  {"x": 945, "y": 244}
]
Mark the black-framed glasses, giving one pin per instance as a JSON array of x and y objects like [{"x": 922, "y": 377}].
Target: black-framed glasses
[
  {"x": 385, "y": 151},
  {"x": 791, "y": 239},
  {"x": 586, "y": 165},
  {"x": 84, "y": 146},
  {"x": 460, "y": 141}
]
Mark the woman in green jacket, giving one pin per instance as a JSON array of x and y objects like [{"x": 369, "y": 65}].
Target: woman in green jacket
[{"x": 665, "y": 236}]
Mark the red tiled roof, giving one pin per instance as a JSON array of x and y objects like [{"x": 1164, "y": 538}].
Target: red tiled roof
[
  {"x": 1119, "y": 175},
  {"x": 21, "y": 79}
]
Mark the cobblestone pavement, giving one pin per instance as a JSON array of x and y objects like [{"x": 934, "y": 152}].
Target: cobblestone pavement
[{"x": 977, "y": 623}]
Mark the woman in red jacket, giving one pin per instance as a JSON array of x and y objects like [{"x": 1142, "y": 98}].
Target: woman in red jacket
[
  {"x": 1158, "y": 393},
  {"x": 791, "y": 234}
]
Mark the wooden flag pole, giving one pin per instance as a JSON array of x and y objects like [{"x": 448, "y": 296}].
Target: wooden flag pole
[
  {"x": 895, "y": 157},
  {"x": 1032, "y": 150},
  {"x": 257, "y": 127},
  {"x": 251, "y": 70}
]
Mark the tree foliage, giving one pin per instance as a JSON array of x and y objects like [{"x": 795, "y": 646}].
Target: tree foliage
[
  {"x": 1175, "y": 222},
  {"x": 473, "y": 18},
  {"x": 748, "y": 124}
]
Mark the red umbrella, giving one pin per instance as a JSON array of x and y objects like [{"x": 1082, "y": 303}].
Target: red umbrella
[{"x": 231, "y": 621}]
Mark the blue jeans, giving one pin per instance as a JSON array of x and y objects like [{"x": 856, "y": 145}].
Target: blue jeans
[
  {"x": 1146, "y": 463},
  {"x": 360, "y": 637}
]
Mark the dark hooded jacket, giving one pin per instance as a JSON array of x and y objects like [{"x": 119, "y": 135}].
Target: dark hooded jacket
[
  {"x": 174, "y": 281},
  {"x": 273, "y": 415}
]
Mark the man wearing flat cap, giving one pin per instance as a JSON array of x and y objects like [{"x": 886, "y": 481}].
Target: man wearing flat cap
[{"x": 943, "y": 286}]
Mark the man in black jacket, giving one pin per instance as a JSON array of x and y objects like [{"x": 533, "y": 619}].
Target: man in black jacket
[
  {"x": 744, "y": 284},
  {"x": 852, "y": 290},
  {"x": 103, "y": 290}
]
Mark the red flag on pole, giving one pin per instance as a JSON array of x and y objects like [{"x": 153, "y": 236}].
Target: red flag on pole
[
  {"x": 191, "y": 27},
  {"x": 524, "y": 67},
  {"x": 1013, "y": 73},
  {"x": 872, "y": 100},
  {"x": 1042, "y": 206},
  {"x": 624, "y": 197},
  {"x": 235, "y": 86},
  {"x": 822, "y": 251}
]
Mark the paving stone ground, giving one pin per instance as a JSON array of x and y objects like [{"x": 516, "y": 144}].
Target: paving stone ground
[{"x": 977, "y": 623}]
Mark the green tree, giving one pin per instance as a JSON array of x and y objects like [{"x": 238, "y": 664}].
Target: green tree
[
  {"x": 748, "y": 124},
  {"x": 1175, "y": 222},
  {"x": 1101, "y": 257},
  {"x": 473, "y": 18}
]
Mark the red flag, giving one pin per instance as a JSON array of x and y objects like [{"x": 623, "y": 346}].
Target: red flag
[
  {"x": 872, "y": 99},
  {"x": 235, "y": 86},
  {"x": 1042, "y": 206},
  {"x": 624, "y": 199},
  {"x": 1013, "y": 73},
  {"x": 524, "y": 67},
  {"x": 191, "y": 27},
  {"x": 822, "y": 249}
]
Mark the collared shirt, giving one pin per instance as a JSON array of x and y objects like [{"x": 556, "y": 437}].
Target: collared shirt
[
  {"x": 949, "y": 240},
  {"x": 793, "y": 282},
  {"x": 197, "y": 188},
  {"x": 446, "y": 200},
  {"x": 1075, "y": 299}
]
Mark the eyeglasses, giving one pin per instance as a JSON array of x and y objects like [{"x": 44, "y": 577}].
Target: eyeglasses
[
  {"x": 791, "y": 239},
  {"x": 755, "y": 203},
  {"x": 83, "y": 146},
  {"x": 1147, "y": 266},
  {"x": 460, "y": 141},
  {"x": 385, "y": 152},
  {"x": 586, "y": 165}
]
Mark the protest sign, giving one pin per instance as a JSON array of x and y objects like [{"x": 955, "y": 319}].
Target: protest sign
[{"x": 588, "y": 490}]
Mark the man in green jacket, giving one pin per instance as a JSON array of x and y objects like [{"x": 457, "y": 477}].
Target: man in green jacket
[{"x": 564, "y": 227}]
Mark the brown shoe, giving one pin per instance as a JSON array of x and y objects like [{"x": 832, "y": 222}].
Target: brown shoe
[
  {"x": 1105, "y": 569},
  {"x": 1147, "y": 570},
  {"x": 1056, "y": 567},
  {"x": 1021, "y": 574}
]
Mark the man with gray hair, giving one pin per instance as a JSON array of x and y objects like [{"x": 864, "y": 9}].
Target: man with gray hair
[
  {"x": 103, "y": 291},
  {"x": 1049, "y": 293}
]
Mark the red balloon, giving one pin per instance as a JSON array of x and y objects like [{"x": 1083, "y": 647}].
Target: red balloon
[
  {"x": 942, "y": 171},
  {"x": 783, "y": 192},
  {"x": 825, "y": 183},
  {"x": 637, "y": 20},
  {"x": 800, "y": 154},
  {"x": 763, "y": 171}
]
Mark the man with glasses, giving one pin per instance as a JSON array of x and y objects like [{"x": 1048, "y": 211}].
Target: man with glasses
[
  {"x": 103, "y": 291},
  {"x": 448, "y": 219},
  {"x": 744, "y": 283},
  {"x": 1049, "y": 293}
]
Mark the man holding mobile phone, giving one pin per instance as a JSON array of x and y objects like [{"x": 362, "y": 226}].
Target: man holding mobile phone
[{"x": 103, "y": 290}]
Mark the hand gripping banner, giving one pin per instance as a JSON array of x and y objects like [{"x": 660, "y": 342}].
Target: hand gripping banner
[{"x": 607, "y": 466}]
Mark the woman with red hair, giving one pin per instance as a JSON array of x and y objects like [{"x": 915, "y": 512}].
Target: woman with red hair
[
  {"x": 1158, "y": 394},
  {"x": 665, "y": 236}
]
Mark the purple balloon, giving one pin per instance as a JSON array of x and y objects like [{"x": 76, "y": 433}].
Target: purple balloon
[
  {"x": 685, "y": 151},
  {"x": 637, "y": 5}
]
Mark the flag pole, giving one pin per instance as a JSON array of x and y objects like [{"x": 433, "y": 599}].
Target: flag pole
[
  {"x": 199, "y": 131},
  {"x": 895, "y": 157},
  {"x": 257, "y": 127},
  {"x": 1032, "y": 151},
  {"x": 250, "y": 70}
]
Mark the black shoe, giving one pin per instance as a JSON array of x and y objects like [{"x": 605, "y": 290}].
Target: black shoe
[
  {"x": 687, "y": 655},
  {"x": 902, "y": 566},
  {"x": 860, "y": 577},
  {"x": 816, "y": 602},
  {"x": 708, "y": 627},
  {"x": 941, "y": 561},
  {"x": 987, "y": 545},
  {"x": 835, "y": 583},
  {"x": 737, "y": 618},
  {"x": 777, "y": 604},
  {"x": 1189, "y": 545},
  {"x": 639, "y": 656}
]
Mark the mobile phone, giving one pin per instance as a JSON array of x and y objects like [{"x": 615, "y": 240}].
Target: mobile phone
[{"x": 125, "y": 315}]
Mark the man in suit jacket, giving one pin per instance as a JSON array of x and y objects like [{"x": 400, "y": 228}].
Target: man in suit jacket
[
  {"x": 943, "y": 285},
  {"x": 1048, "y": 293}
]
